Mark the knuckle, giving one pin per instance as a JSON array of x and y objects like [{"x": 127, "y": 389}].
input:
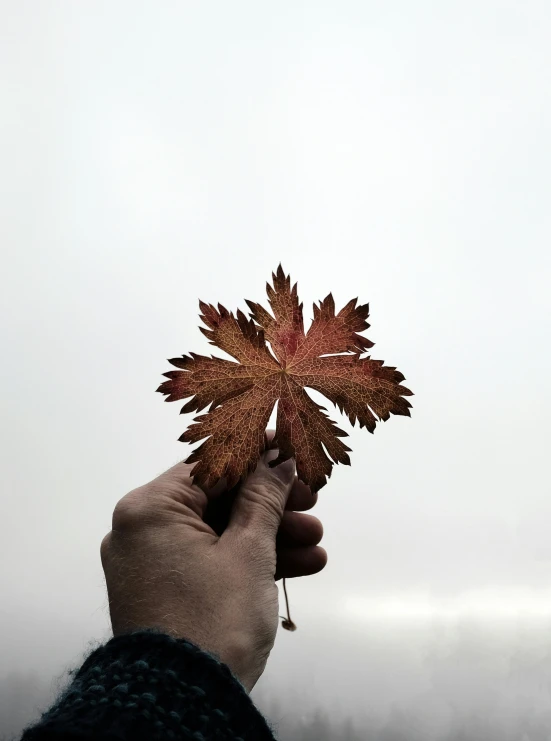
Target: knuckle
[
  {"x": 104, "y": 547},
  {"x": 268, "y": 496},
  {"x": 131, "y": 512},
  {"x": 263, "y": 515},
  {"x": 124, "y": 516},
  {"x": 271, "y": 504}
]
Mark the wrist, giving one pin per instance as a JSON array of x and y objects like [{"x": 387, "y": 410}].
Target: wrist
[{"x": 236, "y": 651}]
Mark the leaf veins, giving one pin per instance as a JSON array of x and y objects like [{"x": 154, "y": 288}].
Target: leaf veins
[{"x": 276, "y": 361}]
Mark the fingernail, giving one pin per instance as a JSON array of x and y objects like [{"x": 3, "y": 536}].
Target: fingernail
[{"x": 285, "y": 471}]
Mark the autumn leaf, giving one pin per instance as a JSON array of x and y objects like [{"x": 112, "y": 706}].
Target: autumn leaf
[{"x": 276, "y": 361}]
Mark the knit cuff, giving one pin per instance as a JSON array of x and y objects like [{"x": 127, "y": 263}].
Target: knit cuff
[{"x": 148, "y": 685}]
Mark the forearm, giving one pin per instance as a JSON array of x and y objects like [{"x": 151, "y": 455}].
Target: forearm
[{"x": 147, "y": 685}]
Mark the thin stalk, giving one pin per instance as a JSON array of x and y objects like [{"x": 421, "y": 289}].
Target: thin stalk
[{"x": 286, "y": 622}]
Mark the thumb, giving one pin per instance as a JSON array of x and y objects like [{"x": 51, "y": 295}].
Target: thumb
[{"x": 261, "y": 500}]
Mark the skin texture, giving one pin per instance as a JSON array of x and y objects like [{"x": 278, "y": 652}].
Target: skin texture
[{"x": 203, "y": 566}]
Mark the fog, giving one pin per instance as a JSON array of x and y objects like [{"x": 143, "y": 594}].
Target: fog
[
  {"x": 439, "y": 680},
  {"x": 159, "y": 153}
]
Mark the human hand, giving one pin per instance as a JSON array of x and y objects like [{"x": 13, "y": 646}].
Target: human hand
[{"x": 178, "y": 560}]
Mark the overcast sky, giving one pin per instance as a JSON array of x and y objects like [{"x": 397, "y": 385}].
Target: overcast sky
[{"x": 158, "y": 153}]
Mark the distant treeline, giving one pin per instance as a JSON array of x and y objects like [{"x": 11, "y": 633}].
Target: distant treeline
[{"x": 22, "y": 697}]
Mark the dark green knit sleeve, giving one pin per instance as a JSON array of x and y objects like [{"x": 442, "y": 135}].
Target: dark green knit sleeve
[{"x": 147, "y": 685}]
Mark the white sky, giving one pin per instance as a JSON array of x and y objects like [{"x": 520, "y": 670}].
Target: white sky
[{"x": 156, "y": 153}]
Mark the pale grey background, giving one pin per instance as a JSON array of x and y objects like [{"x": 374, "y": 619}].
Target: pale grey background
[{"x": 155, "y": 153}]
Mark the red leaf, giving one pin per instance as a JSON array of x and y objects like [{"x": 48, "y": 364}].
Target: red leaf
[{"x": 276, "y": 361}]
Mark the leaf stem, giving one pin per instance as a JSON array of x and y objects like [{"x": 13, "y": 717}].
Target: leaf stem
[{"x": 286, "y": 622}]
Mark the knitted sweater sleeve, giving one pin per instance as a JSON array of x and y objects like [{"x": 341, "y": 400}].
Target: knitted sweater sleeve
[{"x": 148, "y": 685}]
